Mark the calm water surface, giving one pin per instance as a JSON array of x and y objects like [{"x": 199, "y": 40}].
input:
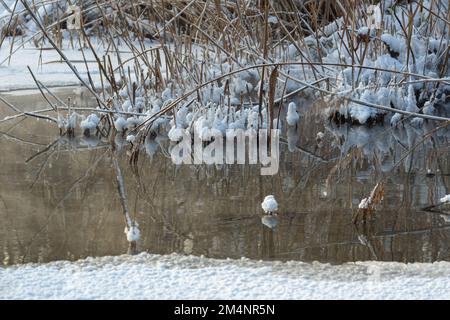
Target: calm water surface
[{"x": 58, "y": 196}]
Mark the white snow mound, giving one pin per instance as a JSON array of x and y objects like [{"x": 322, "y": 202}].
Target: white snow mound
[
  {"x": 269, "y": 204},
  {"x": 149, "y": 276}
]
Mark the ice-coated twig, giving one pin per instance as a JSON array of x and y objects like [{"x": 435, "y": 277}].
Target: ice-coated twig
[{"x": 131, "y": 227}]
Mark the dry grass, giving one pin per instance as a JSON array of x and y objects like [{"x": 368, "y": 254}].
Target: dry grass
[
  {"x": 205, "y": 44},
  {"x": 368, "y": 205}
]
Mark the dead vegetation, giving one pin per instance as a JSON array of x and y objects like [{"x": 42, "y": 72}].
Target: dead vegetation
[
  {"x": 182, "y": 51},
  {"x": 367, "y": 206},
  {"x": 204, "y": 44}
]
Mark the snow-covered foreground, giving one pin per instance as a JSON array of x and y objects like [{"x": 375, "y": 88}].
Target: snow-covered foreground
[{"x": 148, "y": 276}]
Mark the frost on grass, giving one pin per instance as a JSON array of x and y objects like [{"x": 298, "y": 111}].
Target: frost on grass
[
  {"x": 394, "y": 56},
  {"x": 120, "y": 124},
  {"x": 131, "y": 138},
  {"x": 89, "y": 123},
  {"x": 270, "y": 221}
]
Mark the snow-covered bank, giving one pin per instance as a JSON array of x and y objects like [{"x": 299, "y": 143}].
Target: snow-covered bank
[
  {"x": 15, "y": 74},
  {"x": 148, "y": 276},
  {"x": 48, "y": 67}
]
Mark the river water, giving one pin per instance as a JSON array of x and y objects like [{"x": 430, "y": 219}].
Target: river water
[{"x": 58, "y": 196}]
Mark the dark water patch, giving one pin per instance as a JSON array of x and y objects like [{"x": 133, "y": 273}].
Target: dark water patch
[{"x": 63, "y": 202}]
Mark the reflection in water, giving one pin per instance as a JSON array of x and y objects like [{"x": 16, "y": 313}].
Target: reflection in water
[
  {"x": 270, "y": 221},
  {"x": 268, "y": 244},
  {"x": 62, "y": 203},
  {"x": 365, "y": 237}
]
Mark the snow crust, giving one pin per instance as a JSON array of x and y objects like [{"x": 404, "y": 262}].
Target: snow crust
[{"x": 149, "y": 276}]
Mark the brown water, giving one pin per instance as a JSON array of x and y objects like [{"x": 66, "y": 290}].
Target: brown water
[{"x": 63, "y": 203}]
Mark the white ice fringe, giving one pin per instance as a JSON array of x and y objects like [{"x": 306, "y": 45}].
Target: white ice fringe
[{"x": 292, "y": 116}]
